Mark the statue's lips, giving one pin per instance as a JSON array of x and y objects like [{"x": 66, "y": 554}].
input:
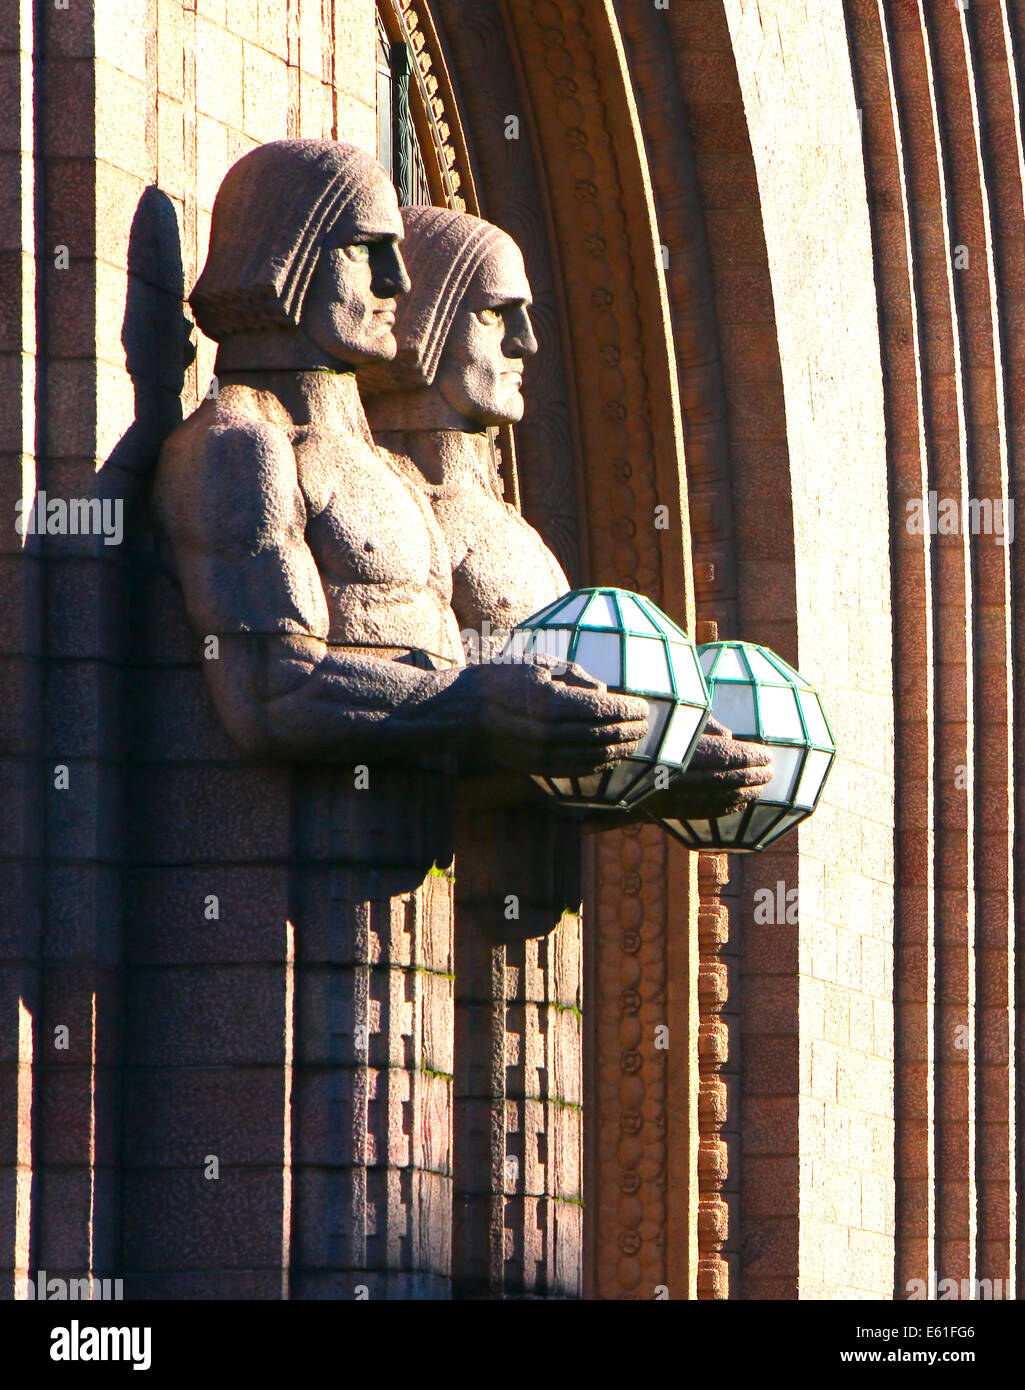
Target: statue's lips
[{"x": 386, "y": 315}]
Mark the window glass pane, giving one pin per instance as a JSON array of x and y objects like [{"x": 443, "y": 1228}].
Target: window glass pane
[
  {"x": 689, "y": 685},
  {"x": 517, "y": 646},
  {"x": 658, "y": 716},
  {"x": 729, "y": 826},
  {"x": 384, "y": 121},
  {"x": 554, "y": 642},
  {"x": 817, "y": 730},
  {"x": 681, "y": 733},
  {"x": 635, "y": 617},
  {"x": 598, "y": 654},
  {"x": 624, "y": 775},
  {"x": 734, "y": 706},
  {"x": 814, "y": 774},
  {"x": 663, "y": 621},
  {"x": 572, "y": 611},
  {"x": 535, "y": 618},
  {"x": 682, "y": 829},
  {"x": 601, "y": 612},
  {"x": 780, "y": 718},
  {"x": 647, "y": 667},
  {"x": 762, "y": 820},
  {"x": 764, "y": 670},
  {"x": 786, "y": 763},
  {"x": 731, "y": 666},
  {"x": 787, "y": 823}
]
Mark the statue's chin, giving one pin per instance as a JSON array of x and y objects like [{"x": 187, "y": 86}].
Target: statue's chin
[{"x": 510, "y": 413}]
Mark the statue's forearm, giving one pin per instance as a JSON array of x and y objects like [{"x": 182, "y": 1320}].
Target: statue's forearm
[{"x": 295, "y": 698}]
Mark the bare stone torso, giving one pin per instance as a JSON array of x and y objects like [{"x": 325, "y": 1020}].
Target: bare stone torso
[
  {"x": 379, "y": 553},
  {"x": 502, "y": 571},
  {"x": 379, "y": 550}
]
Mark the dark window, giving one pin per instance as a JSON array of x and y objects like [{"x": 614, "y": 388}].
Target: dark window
[
  {"x": 397, "y": 146},
  {"x": 385, "y": 143}
]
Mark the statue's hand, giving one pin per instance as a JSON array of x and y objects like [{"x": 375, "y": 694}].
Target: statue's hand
[
  {"x": 553, "y": 718},
  {"x": 724, "y": 776}
]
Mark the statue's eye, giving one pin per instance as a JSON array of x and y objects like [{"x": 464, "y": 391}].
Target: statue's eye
[
  {"x": 360, "y": 253},
  {"x": 489, "y": 316}
]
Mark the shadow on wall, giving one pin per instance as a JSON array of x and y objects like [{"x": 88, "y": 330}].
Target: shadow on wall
[{"x": 157, "y": 339}]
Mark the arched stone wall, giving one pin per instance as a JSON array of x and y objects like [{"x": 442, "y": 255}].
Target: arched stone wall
[
  {"x": 940, "y": 87},
  {"x": 575, "y": 191}
]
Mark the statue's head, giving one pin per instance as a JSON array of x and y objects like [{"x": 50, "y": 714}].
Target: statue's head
[
  {"x": 463, "y": 330},
  {"x": 304, "y": 240}
]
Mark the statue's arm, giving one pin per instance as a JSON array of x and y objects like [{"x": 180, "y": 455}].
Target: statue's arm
[{"x": 236, "y": 518}]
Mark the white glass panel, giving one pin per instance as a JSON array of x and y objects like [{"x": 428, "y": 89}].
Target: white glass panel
[
  {"x": 780, "y": 718},
  {"x": 761, "y": 822},
  {"x": 682, "y": 829},
  {"x": 688, "y": 676},
  {"x": 635, "y": 617},
  {"x": 764, "y": 670},
  {"x": 622, "y": 779},
  {"x": 598, "y": 654},
  {"x": 684, "y": 722},
  {"x": 554, "y": 642},
  {"x": 647, "y": 667},
  {"x": 706, "y": 657},
  {"x": 663, "y": 621},
  {"x": 591, "y": 785},
  {"x": 787, "y": 823},
  {"x": 785, "y": 762},
  {"x": 702, "y": 829},
  {"x": 658, "y": 716},
  {"x": 542, "y": 613},
  {"x": 517, "y": 645},
  {"x": 601, "y": 612},
  {"x": 785, "y": 671},
  {"x": 563, "y": 785},
  {"x": 572, "y": 611},
  {"x": 812, "y": 778},
  {"x": 542, "y": 782},
  {"x": 728, "y": 826},
  {"x": 643, "y": 787},
  {"x": 817, "y": 730},
  {"x": 731, "y": 666},
  {"x": 734, "y": 706}
]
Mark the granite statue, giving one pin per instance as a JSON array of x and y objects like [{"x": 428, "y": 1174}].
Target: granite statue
[
  {"x": 323, "y": 572},
  {"x": 464, "y": 335}
]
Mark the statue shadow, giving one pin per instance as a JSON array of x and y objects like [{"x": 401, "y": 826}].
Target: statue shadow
[{"x": 157, "y": 338}]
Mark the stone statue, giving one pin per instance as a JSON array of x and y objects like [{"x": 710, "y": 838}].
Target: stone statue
[
  {"x": 463, "y": 334},
  {"x": 321, "y": 570}
]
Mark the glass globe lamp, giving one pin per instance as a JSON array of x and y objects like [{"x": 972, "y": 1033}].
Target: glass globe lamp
[
  {"x": 630, "y": 644},
  {"x": 763, "y": 700}
]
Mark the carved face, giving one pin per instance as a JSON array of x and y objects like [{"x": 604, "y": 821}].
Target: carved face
[
  {"x": 480, "y": 374},
  {"x": 349, "y": 308}
]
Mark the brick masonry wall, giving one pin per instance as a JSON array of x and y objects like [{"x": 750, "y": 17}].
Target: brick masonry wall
[{"x": 186, "y": 87}]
